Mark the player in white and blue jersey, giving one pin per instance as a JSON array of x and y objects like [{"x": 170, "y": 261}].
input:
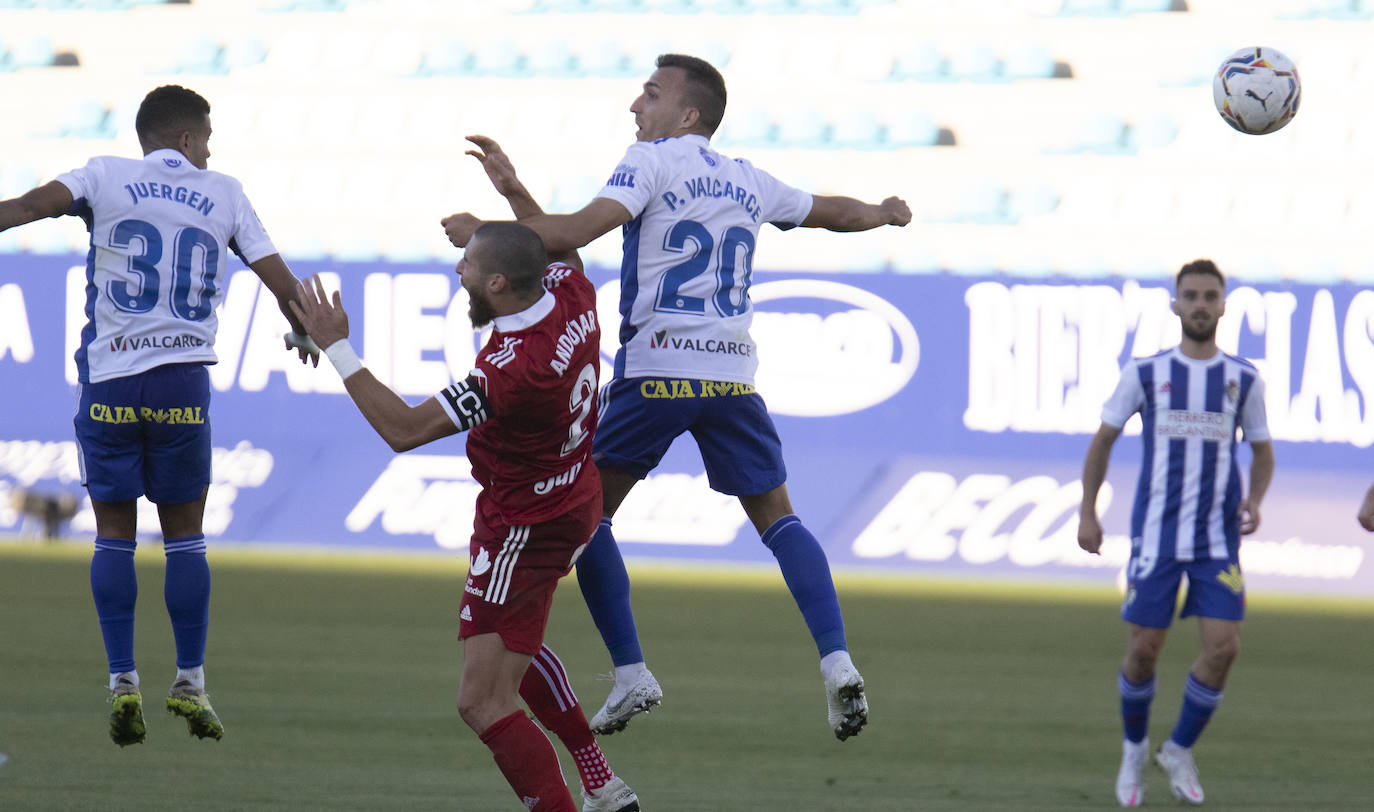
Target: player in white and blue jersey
[
  {"x": 161, "y": 231},
  {"x": 690, "y": 218},
  {"x": 1189, "y": 514}
]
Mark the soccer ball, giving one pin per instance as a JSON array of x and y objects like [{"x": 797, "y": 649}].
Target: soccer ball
[{"x": 1257, "y": 90}]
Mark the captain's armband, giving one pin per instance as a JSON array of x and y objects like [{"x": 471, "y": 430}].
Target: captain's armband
[{"x": 466, "y": 403}]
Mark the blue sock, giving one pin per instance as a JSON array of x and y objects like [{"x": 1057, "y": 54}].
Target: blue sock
[
  {"x": 606, "y": 588},
  {"x": 807, "y": 573},
  {"x": 114, "y": 585},
  {"x": 187, "y": 592},
  {"x": 1199, "y": 700},
  {"x": 1135, "y": 706}
]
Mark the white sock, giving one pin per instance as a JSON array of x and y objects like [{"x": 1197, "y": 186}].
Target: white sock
[
  {"x": 626, "y": 675},
  {"x": 835, "y": 659},
  {"x": 1129, "y": 747},
  {"x": 133, "y": 675},
  {"x": 196, "y": 676}
]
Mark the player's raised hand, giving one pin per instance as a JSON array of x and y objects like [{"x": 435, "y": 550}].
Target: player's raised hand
[
  {"x": 897, "y": 210},
  {"x": 1090, "y": 533},
  {"x": 325, "y": 321},
  {"x": 459, "y": 228},
  {"x": 497, "y": 165}
]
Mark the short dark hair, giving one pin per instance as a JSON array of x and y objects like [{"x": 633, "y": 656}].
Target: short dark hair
[
  {"x": 1204, "y": 267},
  {"x": 166, "y": 112},
  {"x": 705, "y": 88},
  {"x": 514, "y": 251}
]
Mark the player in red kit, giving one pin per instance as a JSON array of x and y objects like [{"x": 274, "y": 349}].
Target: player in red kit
[{"x": 529, "y": 407}]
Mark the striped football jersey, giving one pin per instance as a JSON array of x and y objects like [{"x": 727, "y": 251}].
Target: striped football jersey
[{"x": 1189, "y": 491}]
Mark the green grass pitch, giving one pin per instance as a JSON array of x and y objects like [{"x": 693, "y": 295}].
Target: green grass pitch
[{"x": 336, "y": 676}]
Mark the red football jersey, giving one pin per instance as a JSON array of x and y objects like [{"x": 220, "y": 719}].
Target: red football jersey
[{"x": 539, "y": 370}]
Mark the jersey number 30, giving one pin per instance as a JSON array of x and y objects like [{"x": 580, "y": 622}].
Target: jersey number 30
[
  {"x": 733, "y": 269},
  {"x": 192, "y": 250}
]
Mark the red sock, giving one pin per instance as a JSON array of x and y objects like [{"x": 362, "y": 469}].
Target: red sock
[
  {"x": 527, "y": 760},
  {"x": 546, "y": 690}
]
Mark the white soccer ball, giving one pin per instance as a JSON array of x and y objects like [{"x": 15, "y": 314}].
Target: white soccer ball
[{"x": 1257, "y": 90}]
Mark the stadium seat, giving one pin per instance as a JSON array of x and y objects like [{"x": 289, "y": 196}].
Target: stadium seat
[
  {"x": 912, "y": 128},
  {"x": 32, "y": 52},
  {"x": 665, "y": 6},
  {"x": 86, "y": 119},
  {"x": 1103, "y": 133},
  {"x": 1099, "y": 8},
  {"x": 199, "y": 55},
  {"x": 866, "y": 60},
  {"x": 977, "y": 62},
  {"x": 1150, "y": 6},
  {"x": 448, "y": 57},
  {"x": 120, "y": 123},
  {"x": 750, "y": 127},
  {"x": 858, "y": 130},
  {"x": 1031, "y": 200},
  {"x": 770, "y": 7},
  {"x": 1152, "y": 133},
  {"x": 803, "y": 129},
  {"x": 721, "y": 6},
  {"x": 826, "y": 6},
  {"x": 552, "y": 58},
  {"x": 981, "y": 201},
  {"x": 242, "y": 52},
  {"x": 1031, "y": 61},
  {"x": 919, "y": 61},
  {"x": 499, "y": 58},
  {"x": 603, "y": 57}
]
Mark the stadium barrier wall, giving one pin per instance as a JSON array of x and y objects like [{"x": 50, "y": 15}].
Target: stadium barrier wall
[{"x": 931, "y": 423}]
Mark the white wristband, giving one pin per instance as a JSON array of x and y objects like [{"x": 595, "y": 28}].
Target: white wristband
[{"x": 344, "y": 359}]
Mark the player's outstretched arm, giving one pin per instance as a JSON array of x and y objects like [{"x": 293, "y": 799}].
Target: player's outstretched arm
[
  {"x": 839, "y": 213},
  {"x": 1261, "y": 474},
  {"x": 1366, "y": 515},
  {"x": 402, "y": 426},
  {"x": 285, "y": 287},
  {"x": 501, "y": 172},
  {"x": 560, "y": 232},
  {"x": 52, "y": 199},
  {"x": 1094, "y": 474}
]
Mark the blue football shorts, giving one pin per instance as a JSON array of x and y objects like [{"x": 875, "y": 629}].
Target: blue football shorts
[
  {"x": 640, "y": 418},
  {"x": 1216, "y": 589},
  {"x": 146, "y": 434}
]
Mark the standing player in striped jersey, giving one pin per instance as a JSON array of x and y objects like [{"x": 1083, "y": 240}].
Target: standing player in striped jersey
[
  {"x": 1188, "y": 518},
  {"x": 529, "y": 407},
  {"x": 161, "y": 229},
  {"x": 690, "y": 219}
]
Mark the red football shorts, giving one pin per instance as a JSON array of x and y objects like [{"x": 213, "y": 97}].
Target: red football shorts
[{"x": 513, "y": 571}]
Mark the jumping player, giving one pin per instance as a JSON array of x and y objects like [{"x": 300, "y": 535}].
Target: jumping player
[
  {"x": 690, "y": 219},
  {"x": 529, "y": 407},
  {"x": 1188, "y": 518},
  {"x": 161, "y": 230}
]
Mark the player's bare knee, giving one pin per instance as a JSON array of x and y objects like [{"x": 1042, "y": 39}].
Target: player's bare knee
[
  {"x": 471, "y": 711},
  {"x": 1221, "y": 653}
]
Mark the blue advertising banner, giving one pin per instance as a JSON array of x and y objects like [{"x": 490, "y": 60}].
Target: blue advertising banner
[{"x": 931, "y": 423}]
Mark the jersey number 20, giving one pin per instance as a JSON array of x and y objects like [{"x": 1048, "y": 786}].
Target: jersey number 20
[{"x": 732, "y": 270}]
